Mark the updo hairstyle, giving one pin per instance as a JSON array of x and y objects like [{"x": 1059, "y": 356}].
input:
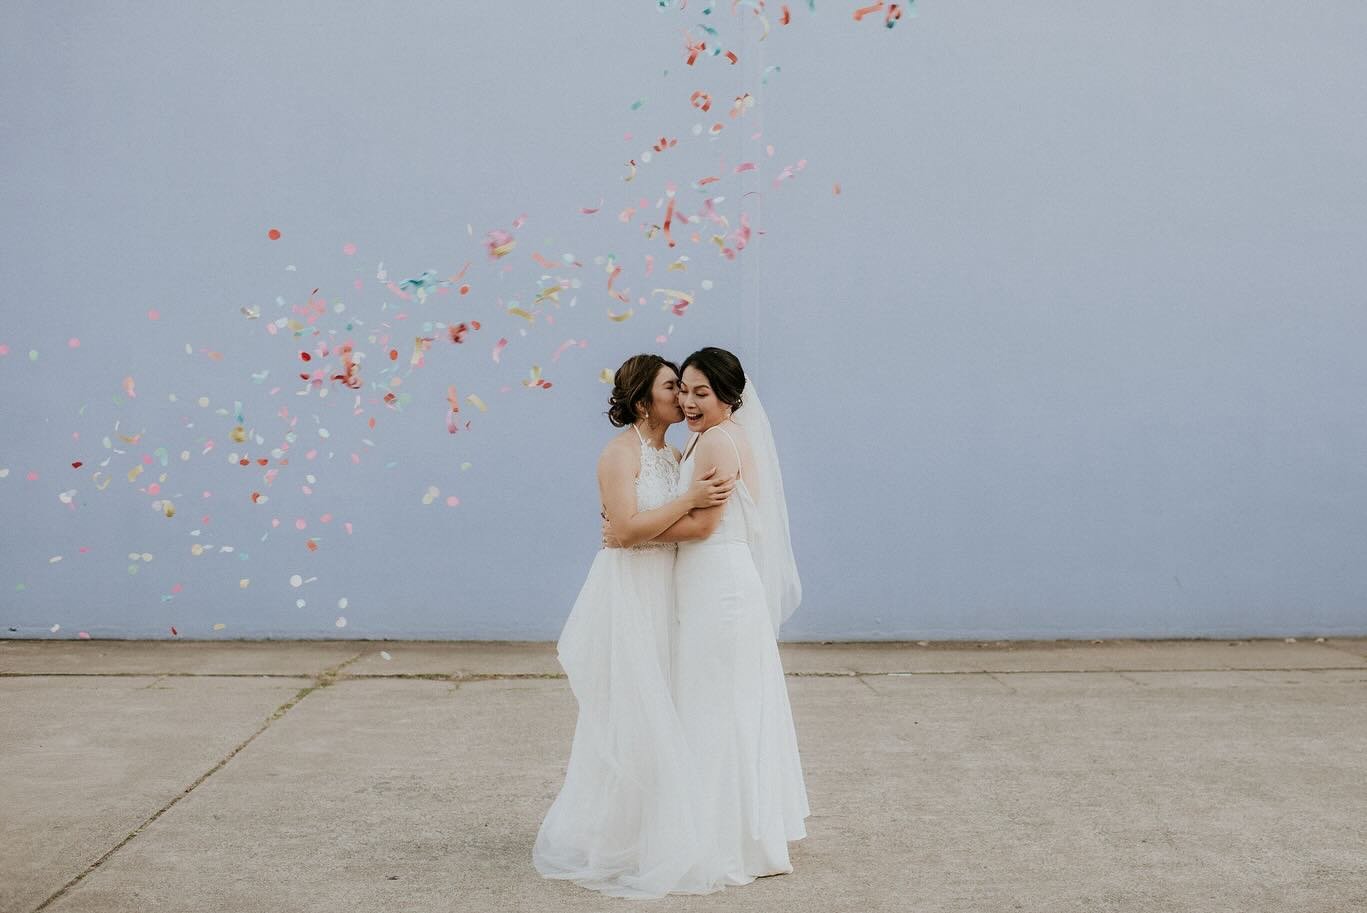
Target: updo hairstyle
[{"x": 632, "y": 385}]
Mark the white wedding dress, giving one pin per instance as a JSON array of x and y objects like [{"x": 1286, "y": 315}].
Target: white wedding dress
[
  {"x": 732, "y": 699},
  {"x": 624, "y": 822}
]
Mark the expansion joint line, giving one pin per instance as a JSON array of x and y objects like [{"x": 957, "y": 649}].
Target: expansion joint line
[{"x": 324, "y": 679}]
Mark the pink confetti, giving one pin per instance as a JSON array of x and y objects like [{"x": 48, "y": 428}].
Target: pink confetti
[
  {"x": 745, "y": 166},
  {"x": 348, "y": 529},
  {"x": 569, "y": 344},
  {"x": 4, "y": 349},
  {"x": 453, "y": 501},
  {"x": 73, "y": 342},
  {"x": 154, "y": 314},
  {"x": 300, "y": 523},
  {"x": 498, "y": 349},
  {"x": 348, "y": 248}
]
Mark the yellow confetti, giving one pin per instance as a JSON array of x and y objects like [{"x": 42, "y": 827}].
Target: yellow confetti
[
  {"x": 518, "y": 312},
  {"x": 220, "y": 626},
  {"x": 674, "y": 293},
  {"x": 238, "y": 434},
  {"x": 168, "y": 508},
  {"x": 618, "y": 318},
  {"x": 134, "y": 473},
  {"x": 551, "y": 293},
  {"x": 478, "y": 403},
  {"x": 605, "y": 376}
]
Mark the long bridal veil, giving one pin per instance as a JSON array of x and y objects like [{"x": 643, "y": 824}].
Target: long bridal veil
[{"x": 770, "y": 543}]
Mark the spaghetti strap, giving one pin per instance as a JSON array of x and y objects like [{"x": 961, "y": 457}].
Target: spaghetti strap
[
  {"x": 733, "y": 447},
  {"x": 638, "y": 432}
]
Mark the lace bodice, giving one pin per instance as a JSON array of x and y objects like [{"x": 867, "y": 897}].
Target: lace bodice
[{"x": 656, "y": 483}]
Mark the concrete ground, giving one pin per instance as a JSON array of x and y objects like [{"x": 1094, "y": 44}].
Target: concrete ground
[{"x": 1204, "y": 776}]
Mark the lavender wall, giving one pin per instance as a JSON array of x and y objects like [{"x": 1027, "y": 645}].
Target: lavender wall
[{"x": 1074, "y": 351}]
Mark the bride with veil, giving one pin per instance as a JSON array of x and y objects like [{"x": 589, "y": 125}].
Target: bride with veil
[{"x": 735, "y": 582}]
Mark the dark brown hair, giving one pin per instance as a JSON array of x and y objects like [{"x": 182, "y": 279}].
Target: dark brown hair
[
  {"x": 632, "y": 385},
  {"x": 723, "y": 372}
]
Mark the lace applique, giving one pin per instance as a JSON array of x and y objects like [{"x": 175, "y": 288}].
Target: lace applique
[{"x": 655, "y": 485}]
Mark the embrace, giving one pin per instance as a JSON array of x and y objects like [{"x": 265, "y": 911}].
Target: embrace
[{"x": 684, "y": 775}]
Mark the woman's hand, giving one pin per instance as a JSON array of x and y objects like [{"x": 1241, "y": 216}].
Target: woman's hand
[
  {"x": 609, "y": 540},
  {"x": 710, "y": 491}
]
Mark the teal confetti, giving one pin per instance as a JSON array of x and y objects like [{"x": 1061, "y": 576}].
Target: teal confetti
[{"x": 636, "y": 105}]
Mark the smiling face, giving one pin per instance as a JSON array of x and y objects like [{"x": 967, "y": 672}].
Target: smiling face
[
  {"x": 664, "y": 398},
  {"x": 701, "y": 407}
]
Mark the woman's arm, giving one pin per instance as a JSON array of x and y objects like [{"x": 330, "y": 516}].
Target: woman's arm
[
  {"x": 700, "y": 523},
  {"x": 617, "y": 469}
]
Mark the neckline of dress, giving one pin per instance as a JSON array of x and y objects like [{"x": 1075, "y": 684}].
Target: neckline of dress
[
  {"x": 697, "y": 437},
  {"x": 645, "y": 443}
]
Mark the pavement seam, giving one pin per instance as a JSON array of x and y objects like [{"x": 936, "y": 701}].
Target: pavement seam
[
  {"x": 324, "y": 679},
  {"x": 1338, "y": 649},
  {"x": 332, "y": 676}
]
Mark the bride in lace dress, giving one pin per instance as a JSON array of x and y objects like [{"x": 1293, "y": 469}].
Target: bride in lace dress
[{"x": 623, "y": 822}]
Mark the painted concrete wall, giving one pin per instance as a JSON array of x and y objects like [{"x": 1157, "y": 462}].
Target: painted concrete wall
[{"x": 1074, "y": 350}]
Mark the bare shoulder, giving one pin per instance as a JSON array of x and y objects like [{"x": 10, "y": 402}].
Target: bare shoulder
[
  {"x": 619, "y": 455},
  {"x": 715, "y": 450}
]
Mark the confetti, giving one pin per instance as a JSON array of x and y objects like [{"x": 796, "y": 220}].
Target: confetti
[
  {"x": 535, "y": 379},
  {"x": 566, "y": 345},
  {"x": 500, "y": 243}
]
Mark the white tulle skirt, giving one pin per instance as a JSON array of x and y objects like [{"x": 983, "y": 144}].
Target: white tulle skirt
[
  {"x": 732, "y": 700},
  {"x": 624, "y": 822}
]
